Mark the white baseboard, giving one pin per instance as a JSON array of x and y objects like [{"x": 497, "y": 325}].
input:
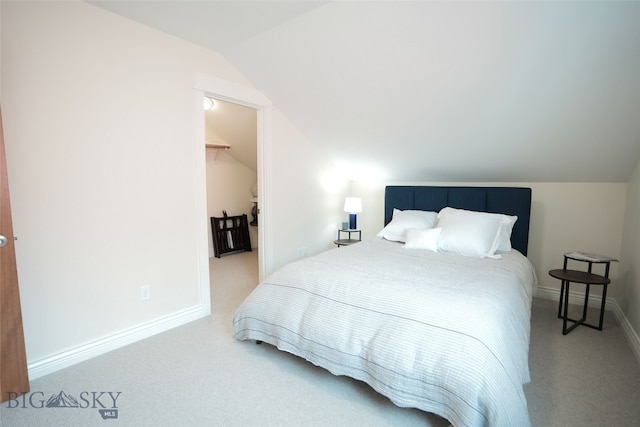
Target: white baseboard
[
  {"x": 117, "y": 340},
  {"x": 629, "y": 332},
  {"x": 594, "y": 301},
  {"x": 575, "y": 297}
]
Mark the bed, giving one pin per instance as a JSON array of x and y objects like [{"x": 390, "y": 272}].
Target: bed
[{"x": 434, "y": 328}]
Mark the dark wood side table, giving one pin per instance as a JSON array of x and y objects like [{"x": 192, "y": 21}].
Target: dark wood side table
[
  {"x": 586, "y": 277},
  {"x": 348, "y": 241}
]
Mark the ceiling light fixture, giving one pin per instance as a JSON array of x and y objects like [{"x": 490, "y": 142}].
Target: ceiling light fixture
[{"x": 208, "y": 104}]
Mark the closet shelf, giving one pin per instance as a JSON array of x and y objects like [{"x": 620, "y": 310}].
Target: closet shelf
[{"x": 217, "y": 145}]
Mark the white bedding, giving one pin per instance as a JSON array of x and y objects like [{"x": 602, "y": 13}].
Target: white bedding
[{"x": 441, "y": 332}]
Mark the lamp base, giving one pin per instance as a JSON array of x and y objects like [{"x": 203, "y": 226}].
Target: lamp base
[{"x": 352, "y": 221}]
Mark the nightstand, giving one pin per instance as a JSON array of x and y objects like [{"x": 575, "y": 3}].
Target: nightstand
[
  {"x": 586, "y": 277},
  {"x": 349, "y": 240}
]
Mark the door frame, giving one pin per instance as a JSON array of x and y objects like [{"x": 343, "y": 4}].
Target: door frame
[{"x": 214, "y": 87}]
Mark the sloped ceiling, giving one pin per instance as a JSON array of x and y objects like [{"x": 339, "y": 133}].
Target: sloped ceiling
[
  {"x": 236, "y": 126},
  {"x": 437, "y": 91}
]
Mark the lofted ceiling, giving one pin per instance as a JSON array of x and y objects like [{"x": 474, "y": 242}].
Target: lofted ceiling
[
  {"x": 437, "y": 91},
  {"x": 236, "y": 126}
]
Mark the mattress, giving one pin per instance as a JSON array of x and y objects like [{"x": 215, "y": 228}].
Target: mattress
[{"x": 440, "y": 332}]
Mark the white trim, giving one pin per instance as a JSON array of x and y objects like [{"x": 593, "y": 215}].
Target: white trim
[
  {"x": 230, "y": 91},
  {"x": 576, "y": 298},
  {"x": 215, "y": 87},
  {"x": 265, "y": 230},
  {"x": 594, "y": 301},
  {"x": 632, "y": 337},
  {"x": 200, "y": 183},
  {"x": 72, "y": 356}
]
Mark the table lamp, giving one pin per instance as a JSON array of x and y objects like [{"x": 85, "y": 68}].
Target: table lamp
[{"x": 353, "y": 205}]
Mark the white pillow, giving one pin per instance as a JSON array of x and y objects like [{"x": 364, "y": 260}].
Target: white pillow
[
  {"x": 403, "y": 220},
  {"x": 470, "y": 233},
  {"x": 504, "y": 240},
  {"x": 422, "y": 239}
]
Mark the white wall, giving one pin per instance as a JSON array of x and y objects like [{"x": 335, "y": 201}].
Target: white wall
[
  {"x": 99, "y": 116},
  {"x": 564, "y": 217},
  {"x": 630, "y": 257},
  {"x": 308, "y": 199}
]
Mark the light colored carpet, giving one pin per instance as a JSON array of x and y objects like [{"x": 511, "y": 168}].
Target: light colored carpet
[{"x": 199, "y": 375}]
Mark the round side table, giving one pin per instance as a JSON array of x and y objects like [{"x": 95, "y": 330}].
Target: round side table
[
  {"x": 586, "y": 277},
  {"x": 568, "y": 276}
]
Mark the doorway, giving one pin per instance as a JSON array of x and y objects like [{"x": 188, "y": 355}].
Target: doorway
[
  {"x": 231, "y": 164},
  {"x": 219, "y": 89}
]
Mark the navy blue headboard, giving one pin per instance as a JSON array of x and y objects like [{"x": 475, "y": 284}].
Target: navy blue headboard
[{"x": 505, "y": 200}]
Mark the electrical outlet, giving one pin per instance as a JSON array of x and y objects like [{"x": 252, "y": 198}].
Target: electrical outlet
[
  {"x": 301, "y": 252},
  {"x": 145, "y": 292}
]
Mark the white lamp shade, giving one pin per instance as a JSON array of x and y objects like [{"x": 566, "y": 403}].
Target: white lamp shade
[{"x": 353, "y": 205}]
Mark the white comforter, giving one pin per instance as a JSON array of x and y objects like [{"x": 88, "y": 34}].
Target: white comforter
[{"x": 441, "y": 332}]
